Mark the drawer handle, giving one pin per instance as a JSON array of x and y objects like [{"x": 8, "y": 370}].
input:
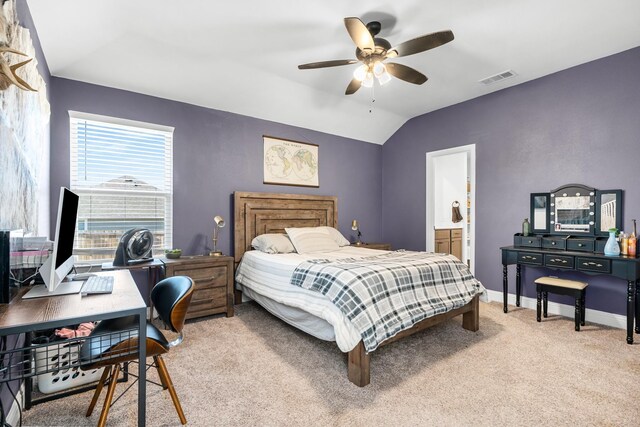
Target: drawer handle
[
  {"x": 553, "y": 243},
  {"x": 529, "y": 257},
  {"x": 592, "y": 263},
  {"x": 530, "y": 241},
  {"x": 580, "y": 245},
  {"x": 564, "y": 261}
]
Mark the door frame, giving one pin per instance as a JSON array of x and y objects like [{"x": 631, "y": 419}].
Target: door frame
[{"x": 470, "y": 150}]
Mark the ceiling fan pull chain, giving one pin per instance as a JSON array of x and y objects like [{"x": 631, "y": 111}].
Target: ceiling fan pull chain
[{"x": 373, "y": 98}]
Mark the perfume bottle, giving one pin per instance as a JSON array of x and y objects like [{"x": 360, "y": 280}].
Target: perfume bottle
[
  {"x": 624, "y": 243},
  {"x": 633, "y": 240},
  {"x": 526, "y": 227}
]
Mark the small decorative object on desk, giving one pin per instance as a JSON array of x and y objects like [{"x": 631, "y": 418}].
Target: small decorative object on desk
[
  {"x": 526, "y": 227},
  {"x": 612, "y": 248},
  {"x": 173, "y": 253},
  {"x": 624, "y": 243}
]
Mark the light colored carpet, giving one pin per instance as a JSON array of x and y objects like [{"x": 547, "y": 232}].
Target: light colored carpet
[{"x": 253, "y": 369}]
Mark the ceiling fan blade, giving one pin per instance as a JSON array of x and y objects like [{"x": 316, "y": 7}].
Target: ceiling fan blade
[
  {"x": 420, "y": 44},
  {"x": 405, "y": 73},
  {"x": 360, "y": 34},
  {"x": 325, "y": 64},
  {"x": 353, "y": 87}
]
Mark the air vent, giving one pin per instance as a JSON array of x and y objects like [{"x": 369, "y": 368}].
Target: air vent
[{"x": 498, "y": 77}]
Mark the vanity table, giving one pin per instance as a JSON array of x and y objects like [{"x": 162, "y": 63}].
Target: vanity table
[{"x": 569, "y": 225}]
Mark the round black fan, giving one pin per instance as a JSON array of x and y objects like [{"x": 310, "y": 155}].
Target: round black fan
[{"x": 134, "y": 247}]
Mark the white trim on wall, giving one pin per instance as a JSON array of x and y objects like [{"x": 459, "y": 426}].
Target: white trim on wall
[
  {"x": 592, "y": 316},
  {"x": 471, "y": 170}
]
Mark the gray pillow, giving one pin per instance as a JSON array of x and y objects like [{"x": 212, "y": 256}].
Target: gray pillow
[{"x": 273, "y": 244}]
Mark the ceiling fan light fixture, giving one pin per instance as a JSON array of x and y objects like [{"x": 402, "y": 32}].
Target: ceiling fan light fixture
[
  {"x": 384, "y": 78},
  {"x": 368, "y": 80},
  {"x": 379, "y": 69},
  {"x": 360, "y": 73}
]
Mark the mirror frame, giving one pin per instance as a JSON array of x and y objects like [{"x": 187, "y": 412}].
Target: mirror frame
[
  {"x": 584, "y": 191},
  {"x": 547, "y": 212},
  {"x": 619, "y": 202}
]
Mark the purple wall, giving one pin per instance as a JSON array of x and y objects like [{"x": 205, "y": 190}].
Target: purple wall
[
  {"x": 217, "y": 153},
  {"x": 580, "y": 125}
]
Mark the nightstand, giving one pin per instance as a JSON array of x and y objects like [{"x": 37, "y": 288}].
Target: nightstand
[
  {"x": 213, "y": 280},
  {"x": 380, "y": 246}
]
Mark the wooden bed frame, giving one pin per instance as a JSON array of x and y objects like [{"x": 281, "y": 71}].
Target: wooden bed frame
[{"x": 259, "y": 213}]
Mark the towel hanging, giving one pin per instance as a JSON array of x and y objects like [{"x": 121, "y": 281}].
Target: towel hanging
[{"x": 456, "y": 216}]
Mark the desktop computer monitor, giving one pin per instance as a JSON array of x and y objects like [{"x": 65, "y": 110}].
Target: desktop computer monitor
[{"x": 60, "y": 262}]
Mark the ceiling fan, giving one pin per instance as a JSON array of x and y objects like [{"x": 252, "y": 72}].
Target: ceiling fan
[{"x": 372, "y": 51}]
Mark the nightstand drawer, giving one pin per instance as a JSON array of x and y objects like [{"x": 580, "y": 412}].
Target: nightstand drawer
[
  {"x": 561, "y": 261},
  {"x": 529, "y": 258},
  {"x": 204, "y": 277},
  {"x": 593, "y": 264},
  {"x": 216, "y": 296}
]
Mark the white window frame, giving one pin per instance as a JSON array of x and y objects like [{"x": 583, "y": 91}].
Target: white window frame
[{"x": 137, "y": 125}]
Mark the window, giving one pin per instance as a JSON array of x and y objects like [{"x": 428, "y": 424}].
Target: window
[{"x": 123, "y": 172}]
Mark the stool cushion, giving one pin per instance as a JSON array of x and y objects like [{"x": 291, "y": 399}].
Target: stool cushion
[{"x": 561, "y": 283}]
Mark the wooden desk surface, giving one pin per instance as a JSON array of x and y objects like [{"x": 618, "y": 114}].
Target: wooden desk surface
[{"x": 21, "y": 314}]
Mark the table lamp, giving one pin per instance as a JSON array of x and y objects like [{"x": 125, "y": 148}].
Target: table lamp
[
  {"x": 219, "y": 224},
  {"x": 356, "y": 227}
]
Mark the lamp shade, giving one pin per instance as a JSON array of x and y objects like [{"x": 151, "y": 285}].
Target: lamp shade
[
  {"x": 219, "y": 221},
  {"x": 354, "y": 224}
]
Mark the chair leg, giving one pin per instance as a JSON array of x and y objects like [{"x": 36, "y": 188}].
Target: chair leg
[
  {"x": 538, "y": 303},
  {"x": 164, "y": 385},
  {"x": 166, "y": 379},
  {"x": 107, "y": 401},
  {"x": 584, "y": 309},
  {"x": 99, "y": 387},
  {"x": 578, "y": 314},
  {"x": 545, "y": 303}
]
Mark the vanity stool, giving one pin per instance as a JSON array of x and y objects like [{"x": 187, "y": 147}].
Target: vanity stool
[{"x": 576, "y": 289}]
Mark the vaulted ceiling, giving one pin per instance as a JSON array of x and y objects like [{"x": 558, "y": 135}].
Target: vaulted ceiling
[{"x": 242, "y": 56}]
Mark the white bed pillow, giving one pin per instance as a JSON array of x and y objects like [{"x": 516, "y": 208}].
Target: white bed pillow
[
  {"x": 336, "y": 235},
  {"x": 311, "y": 239},
  {"x": 273, "y": 244}
]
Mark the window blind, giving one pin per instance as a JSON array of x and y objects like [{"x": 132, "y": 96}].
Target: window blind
[{"x": 123, "y": 173}]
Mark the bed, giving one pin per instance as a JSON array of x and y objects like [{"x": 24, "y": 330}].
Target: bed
[{"x": 261, "y": 276}]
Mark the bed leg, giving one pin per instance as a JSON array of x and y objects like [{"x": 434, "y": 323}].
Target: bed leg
[
  {"x": 358, "y": 365},
  {"x": 471, "y": 319},
  {"x": 237, "y": 297}
]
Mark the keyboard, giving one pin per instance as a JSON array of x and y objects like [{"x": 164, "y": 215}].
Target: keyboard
[{"x": 97, "y": 285}]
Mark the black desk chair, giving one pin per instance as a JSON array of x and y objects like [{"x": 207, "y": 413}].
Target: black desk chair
[{"x": 114, "y": 342}]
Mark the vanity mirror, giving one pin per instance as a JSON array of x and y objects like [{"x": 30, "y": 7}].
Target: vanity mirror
[
  {"x": 610, "y": 211},
  {"x": 540, "y": 212},
  {"x": 573, "y": 210}
]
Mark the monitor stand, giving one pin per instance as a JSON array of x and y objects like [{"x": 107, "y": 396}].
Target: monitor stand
[{"x": 64, "y": 288}]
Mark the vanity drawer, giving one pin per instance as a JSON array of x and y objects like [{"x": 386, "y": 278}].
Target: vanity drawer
[
  {"x": 529, "y": 241},
  {"x": 529, "y": 258},
  {"x": 561, "y": 261},
  {"x": 554, "y": 242},
  {"x": 582, "y": 245},
  {"x": 593, "y": 264}
]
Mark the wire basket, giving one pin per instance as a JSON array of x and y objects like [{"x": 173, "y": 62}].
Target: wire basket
[{"x": 57, "y": 366}]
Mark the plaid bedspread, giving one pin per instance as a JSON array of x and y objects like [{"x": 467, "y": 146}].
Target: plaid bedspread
[{"x": 388, "y": 293}]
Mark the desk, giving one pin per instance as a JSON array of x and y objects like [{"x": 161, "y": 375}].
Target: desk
[
  {"x": 621, "y": 267},
  {"x": 23, "y": 316}
]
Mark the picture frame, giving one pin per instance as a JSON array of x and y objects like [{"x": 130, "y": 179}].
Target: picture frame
[{"x": 288, "y": 162}]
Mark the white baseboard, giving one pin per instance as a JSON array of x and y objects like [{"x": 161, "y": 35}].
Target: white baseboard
[
  {"x": 13, "y": 417},
  {"x": 592, "y": 316}
]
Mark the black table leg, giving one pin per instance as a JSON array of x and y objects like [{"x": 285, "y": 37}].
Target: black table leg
[
  {"x": 631, "y": 309},
  {"x": 518, "y": 284},
  {"x": 637, "y": 306},
  {"x": 505, "y": 286}
]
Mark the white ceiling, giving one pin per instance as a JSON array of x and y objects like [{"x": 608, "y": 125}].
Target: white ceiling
[{"x": 242, "y": 56}]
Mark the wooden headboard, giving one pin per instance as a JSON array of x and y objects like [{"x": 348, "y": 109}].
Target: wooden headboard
[{"x": 260, "y": 213}]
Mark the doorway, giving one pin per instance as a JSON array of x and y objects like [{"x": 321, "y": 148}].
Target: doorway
[{"x": 451, "y": 178}]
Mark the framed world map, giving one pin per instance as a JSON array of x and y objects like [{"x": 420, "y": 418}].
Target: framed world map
[{"x": 289, "y": 162}]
